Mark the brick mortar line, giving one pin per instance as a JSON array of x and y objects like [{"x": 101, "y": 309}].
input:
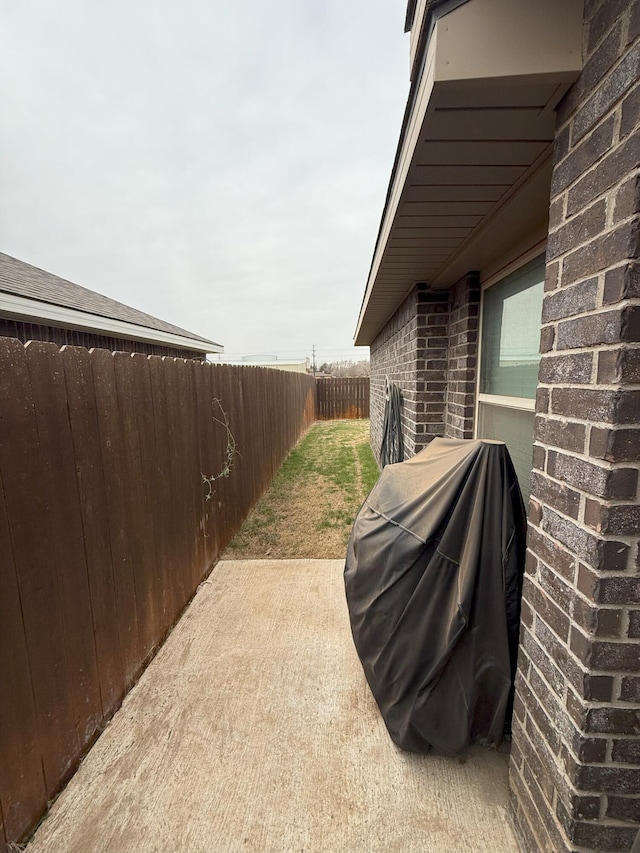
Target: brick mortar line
[
  {"x": 596, "y": 424},
  {"x": 541, "y": 703},
  {"x": 566, "y": 742},
  {"x": 570, "y": 121},
  {"x": 599, "y": 274},
  {"x": 603, "y": 464},
  {"x": 557, "y": 759},
  {"x": 563, "y": 643},
  {"x": 624, "y": 539},
  {"x": 603, "y": 308},
  {"x": 604, "y": 346},
  {"x": 565, "y": 419},
  {"x": 603, "y": 36},
  {"x": 574, "y": 589},
  {"x": 522, "y": 815},
  {"x": 607, "y": 196},
  {"x": 588, "y": 670},
  {"x": 617, "y": 141},
  {"x": 595, "y": 349},
  {"x": 612, "y": 389}
]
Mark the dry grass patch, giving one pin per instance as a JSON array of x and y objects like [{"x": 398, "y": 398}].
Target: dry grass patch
[{"x": 309, "y": 509}]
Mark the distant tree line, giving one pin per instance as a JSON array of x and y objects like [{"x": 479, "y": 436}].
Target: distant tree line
[{"x": 347, "y": 367}]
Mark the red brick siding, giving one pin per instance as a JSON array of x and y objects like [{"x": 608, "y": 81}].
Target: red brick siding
[
  {"x": 412, "y": 351},
  {"x": 462, "y": 354},
  {"x": 429, "y": 348},
  {"x": 575, "y": 768}
]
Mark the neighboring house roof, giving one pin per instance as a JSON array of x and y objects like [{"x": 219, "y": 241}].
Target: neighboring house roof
[{"x": 32, "y": 295}]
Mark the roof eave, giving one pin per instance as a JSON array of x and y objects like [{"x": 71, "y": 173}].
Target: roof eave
[{"x": 461, "y": 162}]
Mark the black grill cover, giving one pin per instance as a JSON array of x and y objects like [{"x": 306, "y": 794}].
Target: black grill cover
[{"x": 433, "y": 580}]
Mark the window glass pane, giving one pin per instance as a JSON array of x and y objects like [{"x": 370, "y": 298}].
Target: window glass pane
[
  {"x": 515, "y": 428},
  {"x": 511, "y": 317}
]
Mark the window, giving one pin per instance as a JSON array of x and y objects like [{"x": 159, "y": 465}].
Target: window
[{"x": 509, "y": 359}]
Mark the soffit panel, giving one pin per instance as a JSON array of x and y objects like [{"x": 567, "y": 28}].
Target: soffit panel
[
  {"x": 437, "y": 221},
  {"x": 454, "y": 192},
  {"x": 487, "y": 153},
  {"x": 405, "y": 233}
]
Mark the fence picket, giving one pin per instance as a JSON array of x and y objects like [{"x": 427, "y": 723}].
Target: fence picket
[{"x": 342, "y": 397}]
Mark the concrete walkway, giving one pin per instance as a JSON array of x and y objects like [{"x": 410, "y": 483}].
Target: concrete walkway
[{"x": 254, "y": 729}]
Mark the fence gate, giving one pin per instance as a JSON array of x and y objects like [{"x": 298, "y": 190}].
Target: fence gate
[{"x": 346, "y": 397}]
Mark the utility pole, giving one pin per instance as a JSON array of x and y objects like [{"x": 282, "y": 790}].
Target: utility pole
[{"x": 313, "y": 349}]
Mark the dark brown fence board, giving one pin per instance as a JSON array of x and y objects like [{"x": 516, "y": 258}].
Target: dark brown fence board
[
  {"x": 4, "y": 848},
  {"x": 142, "y": 489},
  {"x": 133, "y": 499},
  {"x": 194, "y": 477},
  {"x": 161, "y": 497},
  {"x": 178, "y": 496},
  {"x": 152, "y": 485},
  {"x": 214, "y": 462},
  {"x": 93, "y": 408},
  {"x": 191, "y": 476},
  {"x": 202, "y": 372},
  {"x": 21, "y": 464},
  {"x": 164, "y": 386},
  {"x": 226, "y": 487},
  {"x": 201, "y": 567},
  {"x": 23, "y": 792},
  {"x": 64, "y": 519}
]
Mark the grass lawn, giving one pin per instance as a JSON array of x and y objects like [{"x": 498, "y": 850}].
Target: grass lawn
[{"x": 314, "y": 498}]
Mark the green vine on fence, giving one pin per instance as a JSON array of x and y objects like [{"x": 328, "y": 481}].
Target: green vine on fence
[{"x": 230, "y": 454}]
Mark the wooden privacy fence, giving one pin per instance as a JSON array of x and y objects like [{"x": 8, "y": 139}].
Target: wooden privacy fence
[
  {"x": 346, "y": 397},
  {"x": 106, "y": 531}
]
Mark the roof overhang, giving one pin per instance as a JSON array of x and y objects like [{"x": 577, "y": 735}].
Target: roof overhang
[
  {"x": 34, "y": 311},
  {"x": 473, "y": 167}
]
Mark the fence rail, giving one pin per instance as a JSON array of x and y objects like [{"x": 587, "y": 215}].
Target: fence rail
[
  {"x": 342, "y": 398},
  {"x": 106, "y": 531}
]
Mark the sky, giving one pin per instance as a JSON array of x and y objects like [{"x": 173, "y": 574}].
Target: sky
[{"x": 219, "y": 164}]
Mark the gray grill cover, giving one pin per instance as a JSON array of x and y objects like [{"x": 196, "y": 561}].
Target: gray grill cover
[{"x": 433, "y": 580}]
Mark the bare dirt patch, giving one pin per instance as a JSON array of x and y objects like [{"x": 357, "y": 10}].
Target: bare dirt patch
[{"x": 309, "y": 509}]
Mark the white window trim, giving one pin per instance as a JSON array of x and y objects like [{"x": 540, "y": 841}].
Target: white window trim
[
  {"x": 525, "y": 403},
  {"x": 522, "y": 403}
]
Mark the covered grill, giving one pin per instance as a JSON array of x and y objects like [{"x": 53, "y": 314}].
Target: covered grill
[{"x": 433, "y": 580}]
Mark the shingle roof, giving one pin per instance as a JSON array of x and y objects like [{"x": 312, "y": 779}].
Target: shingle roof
[{"x": 22, "y": 279}]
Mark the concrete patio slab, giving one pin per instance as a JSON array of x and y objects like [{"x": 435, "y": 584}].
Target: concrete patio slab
[{"x": 254, "y": 729}]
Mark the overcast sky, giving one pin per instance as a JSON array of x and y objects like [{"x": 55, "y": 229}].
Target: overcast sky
[{"x": 220, "y": 164}]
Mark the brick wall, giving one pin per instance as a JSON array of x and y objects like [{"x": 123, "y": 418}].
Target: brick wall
[
  {"x": 575, "y": 767},
  {"x": 464, "y": 308},
  {"x": 429, "y": 348},
  {"x": 412, "y": 351}
]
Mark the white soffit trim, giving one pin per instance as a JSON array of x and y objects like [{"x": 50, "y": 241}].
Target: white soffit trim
[
  {"x": 475, "y": 156},
  {"x": 34, "y": 311}
]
